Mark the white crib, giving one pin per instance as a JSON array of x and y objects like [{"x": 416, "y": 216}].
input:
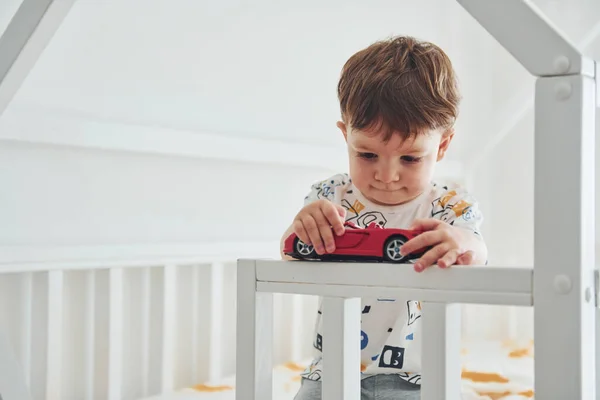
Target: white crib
[
  {"x": 126, "y": 327},
  {"x": 562, "y": 287},
  {"x": 73, "y": 326}
]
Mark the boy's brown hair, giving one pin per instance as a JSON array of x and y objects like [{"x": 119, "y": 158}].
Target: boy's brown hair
[{"x": 402, "y": 85}]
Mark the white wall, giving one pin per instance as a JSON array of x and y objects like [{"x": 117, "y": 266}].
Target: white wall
[
  {"x": 175, "y": 122},
  {"x": 139, "y": 126}
]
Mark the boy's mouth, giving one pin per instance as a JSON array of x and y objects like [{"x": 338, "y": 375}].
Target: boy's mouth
[{"x": 386, "y": 190}]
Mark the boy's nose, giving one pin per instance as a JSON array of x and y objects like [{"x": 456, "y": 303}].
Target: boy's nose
[{"x": 387, "y": 174}]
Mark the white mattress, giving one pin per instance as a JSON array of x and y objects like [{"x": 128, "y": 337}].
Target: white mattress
[{"x": 490, "y": 371}]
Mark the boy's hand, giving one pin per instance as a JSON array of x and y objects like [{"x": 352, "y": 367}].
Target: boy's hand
[
  {"x": 449, "y": 245},
  {"x": 317, "y": 221}
]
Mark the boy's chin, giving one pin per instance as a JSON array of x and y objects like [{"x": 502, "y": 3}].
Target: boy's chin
[{"x": 389, "y": 199}]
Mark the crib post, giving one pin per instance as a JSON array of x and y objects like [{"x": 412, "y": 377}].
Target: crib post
[
  {"x": 254, "y": 338},
  {"x": 441, "y": 351},
  {"x": 564, "y": 288},
  {"x": 341, "y": 349}
]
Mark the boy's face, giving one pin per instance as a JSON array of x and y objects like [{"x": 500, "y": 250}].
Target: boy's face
[{"x": 393, "y": 172}]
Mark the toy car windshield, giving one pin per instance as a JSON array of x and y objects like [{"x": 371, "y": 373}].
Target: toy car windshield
[
  {"x": 374, "y": 225},
  {"x": 352, "y": 225}
]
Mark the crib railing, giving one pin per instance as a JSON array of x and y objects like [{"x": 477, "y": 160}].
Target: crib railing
[
  {"x": 125, "y": 328},
  {"x": 342, "y": 285}
]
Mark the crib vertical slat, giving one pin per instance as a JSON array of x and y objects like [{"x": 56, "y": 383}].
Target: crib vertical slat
[
  {"x": 195, "y": 321},
  {"x": 26, "y": 301},
  {"x": 341, "y": 349},
  {"x": 102, "y": 334},
  {"x": 202, "y": 309},
  {"x": 74, "y": 352},
  {"x": 54, "y": 338},
  {"x": 168, "y": 326},
  {"x": 155, "y": 328},
  {"x": 208, "y": 310},
  {"x": 115, "y": 333},
  {"x": 14, "y": 313},
  {"x": 216, "y": 321},
  {"x": 12, "y": 381},
  {"x": 39, "y": 323},
  {"x": 254, "y": 339},
  {"x": 90, "y": 333},
  {"x": 441, "y": 331},
  {"x": 228, "y": 322},
  {"x": 297, "y": 318},
  {"x": 145, "y": 337}
]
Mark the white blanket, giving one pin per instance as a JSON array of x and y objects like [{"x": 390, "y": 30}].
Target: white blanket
[{"x": 490, "y": 371}]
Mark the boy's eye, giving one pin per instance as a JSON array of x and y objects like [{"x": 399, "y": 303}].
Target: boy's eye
[
  {"x": 411, "y": 159},
  {"x": 367, "y": 156}
]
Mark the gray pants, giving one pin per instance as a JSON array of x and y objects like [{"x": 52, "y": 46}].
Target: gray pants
[{"x": 376, "y": 387}]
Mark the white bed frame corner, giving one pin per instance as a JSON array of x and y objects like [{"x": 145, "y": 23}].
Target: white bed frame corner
[{"x": 562, "y": 287}]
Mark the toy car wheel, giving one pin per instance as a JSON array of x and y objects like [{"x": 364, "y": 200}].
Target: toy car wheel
[
  {"x": 391, "y": 249},
  {"x": 304, "y": 250}
]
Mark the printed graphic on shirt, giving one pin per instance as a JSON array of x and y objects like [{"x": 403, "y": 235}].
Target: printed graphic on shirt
[
  {"x": 445, "y": 199},
  {"x": 319, "y": 342},
  {"x": 443, "y": 209},
  {"x": 364, "y": 220},
  {"x": 354, "y": 208},
  {"x": 313, "y": 371},
  {"x": 453, "y": 208},
  {"x": 414, "y": 311},
  {"x": 410, "y": 377},
  {"x": 314, "y": 375},
  {"x": 364, "y": 340},
  {"x": 325, "y": 189},
  {"x": 353, "y": 214},
  {"x": 460, "y": 208},
  {"x": 391, "y": 357}
]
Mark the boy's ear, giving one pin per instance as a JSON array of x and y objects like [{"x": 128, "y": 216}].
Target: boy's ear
[
  {"x": 342, "y": 126},
  {"x": 445, "y": 143}
]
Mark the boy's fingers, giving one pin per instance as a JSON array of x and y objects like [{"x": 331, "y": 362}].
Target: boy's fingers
[
  {"x": 466, "y": 258},
  {"x": 325, "y": 232},
  {"x": 301, "y": 232},
  {"x": 422, "y": 241},
  {"x": 331, "y": 213},
  {"x": 431, "y": 257},
  {"x": 311, "y": 227},
  {"x": 449, "y": 259}
]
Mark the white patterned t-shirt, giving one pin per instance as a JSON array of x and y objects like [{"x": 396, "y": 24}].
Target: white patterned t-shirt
[{"x": 390, "y": 329}]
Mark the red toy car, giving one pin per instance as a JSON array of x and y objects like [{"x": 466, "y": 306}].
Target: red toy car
[{"x": 370, "y": 243}]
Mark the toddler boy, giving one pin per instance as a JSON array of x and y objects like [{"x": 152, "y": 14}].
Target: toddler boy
[{"x": 399, "y": 100}]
